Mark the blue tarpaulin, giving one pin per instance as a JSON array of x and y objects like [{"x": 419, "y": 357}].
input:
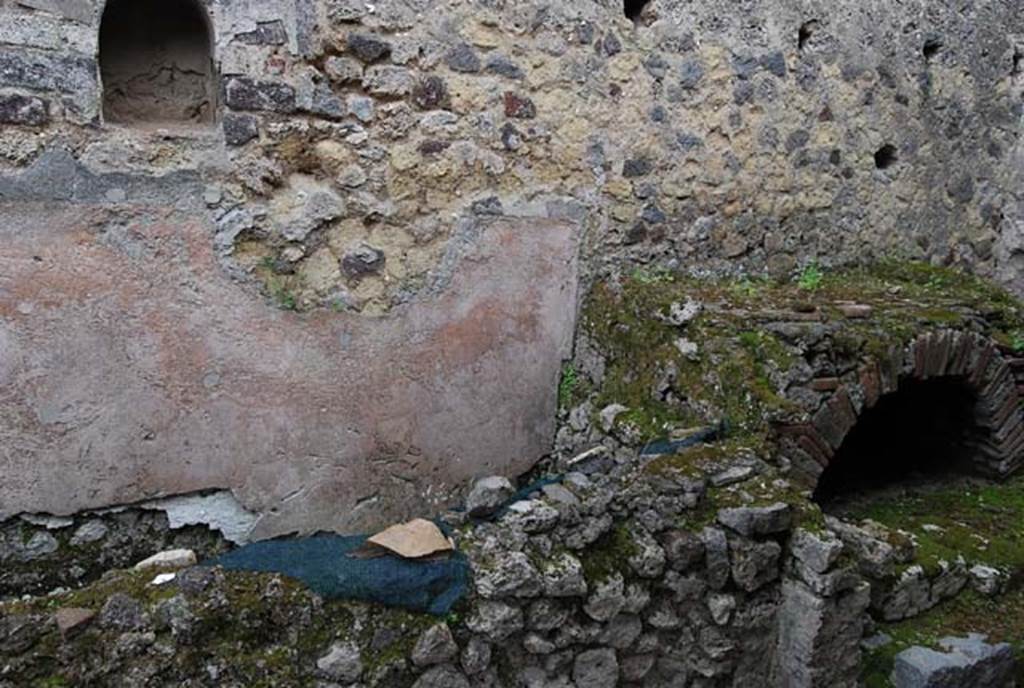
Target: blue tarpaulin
[{"x": 324, "y": 564}]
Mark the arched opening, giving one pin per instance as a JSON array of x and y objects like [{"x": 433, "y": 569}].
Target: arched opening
[
  {"x": 926, "y": 427},
  {"x": 634, "y": 9},
  {"x": 156, "y": 62}
]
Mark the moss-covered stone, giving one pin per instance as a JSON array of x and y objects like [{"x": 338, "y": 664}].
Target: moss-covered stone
[
  {"x": 1001, "y": 619},
  {"x": 259, "y": 629},
  {"x": 738, "y": 373},
  {"x": 609, "y": 555},
  {"x": 981, "y": 521}
]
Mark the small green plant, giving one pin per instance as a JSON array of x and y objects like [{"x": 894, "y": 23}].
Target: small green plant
[
  {"x": 267, "y": 262},
  {"x": 935, "y": 282},
  {"x": 1017, "y": 341},
  {"x": 567, "y": 385},
  {"x": 281, "y": 294},
  {"x": 651, "y": 275},
  {"x": 810, "y": 277},
  {"x": 746, "y": 288}
]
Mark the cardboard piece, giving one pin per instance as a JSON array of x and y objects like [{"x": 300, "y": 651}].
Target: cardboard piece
[{"x": 416, "y": 539}]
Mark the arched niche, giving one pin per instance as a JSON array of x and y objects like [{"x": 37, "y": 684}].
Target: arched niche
[
  {"x": 948, "y": 401},
  {"x": 156, "y": 63}
]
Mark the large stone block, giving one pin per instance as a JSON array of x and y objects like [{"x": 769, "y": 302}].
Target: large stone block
[
  {"x": 82, "y": 11},
  {"x": 73, "y": 76},
  {"x": 21, "y": 109},
  {"x": 966, "y": 663},
  {"x": 248, "y": 94}
]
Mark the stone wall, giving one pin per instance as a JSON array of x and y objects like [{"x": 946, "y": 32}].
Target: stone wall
[
  {"x": 358, "y": 154},
  {"x": 638, "y": 573},
  {"x": 626, "y": 577}
]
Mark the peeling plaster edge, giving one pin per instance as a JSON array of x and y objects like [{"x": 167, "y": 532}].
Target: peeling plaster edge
[{"x": 218, "y": 510}]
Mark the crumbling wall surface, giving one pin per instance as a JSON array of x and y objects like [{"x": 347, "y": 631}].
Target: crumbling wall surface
[
  {"x": 133, "y": 367},
  {"x": 259, "y": 305},
  {"x": 626, "y": 578},
  {"x": 698, "y": 135}
]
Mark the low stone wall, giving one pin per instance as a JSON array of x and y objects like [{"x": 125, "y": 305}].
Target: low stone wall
[
  {"x": 653, "y": 572},
  {"x": 621, "y": 578}
]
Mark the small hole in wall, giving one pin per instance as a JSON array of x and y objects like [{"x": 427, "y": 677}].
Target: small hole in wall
[
  {"x": 634, "y": 8},
  {"x": 805, "y": 33},
  {"x": 886, "y": 157},
  {"x": 931, "y": 48},
  {"x": 1018, "y": 62}
]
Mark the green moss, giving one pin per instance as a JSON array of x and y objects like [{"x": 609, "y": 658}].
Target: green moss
[
  {"x": 738, "y": 368},
  {"x": 403, "y": 627},
  {"x": 568, "y": 387},
  {"x": 51, "y": 682},
  {"x": 810, "y": 278},
  {"x": 983, "y": 522},
  {"x": 1000, "y": 618},
  {"x": 729, "y": 379},
  {"x": 699, "y": 460},
  {"x": 269, "y": 628},
  {"x": 609, "y": 555}
]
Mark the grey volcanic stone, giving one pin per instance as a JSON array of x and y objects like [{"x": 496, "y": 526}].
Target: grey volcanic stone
[
  {"x": 476, "y": 656},
  {"x": 545, "y": 614},
  {"x": 534, "y": 516},
  {"x": 242, "y": 93},
  {"x": 434, "y": 646},
  {"x": 123, "y": 613},
  {"x": 445, "y": 676},
  {"x": 596, "y": 669},
  {"x": 342, "y": 663},
  {"x": 19, "y": 109},
  {"x": 754, "y": 563},
  {"x": 239, "y": 129},
  {"x": 363, "y": 260},
  {"x": 496, "y": 620},
  {"x": 817, "y": 552},
  {"x": 649, "y": 560},
  {"x": 684, "y": 549},
  {"x": 90, "y": 531},
  {"x": 716, "y": 557},
  {"x": 462, "y": 58},
  {"x": 563, "y": 577},
  {"x": 607, "y": 599},
  {"x": 367, "y": 48},
  {"x": 488, "y": 495},
  {"x": 622, "y": 631},
  {"x": 508, "y": 574},
  {"x": 39, "y": 545},
  {"x": 751, "y": 521},
  {"x": 967, "y": 663}
]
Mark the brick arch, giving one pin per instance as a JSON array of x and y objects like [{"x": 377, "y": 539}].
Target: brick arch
[{"x": 992, "y": 373}]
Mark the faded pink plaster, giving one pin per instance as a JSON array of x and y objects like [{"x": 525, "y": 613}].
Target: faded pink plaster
[{"x": 135, "y": 368}]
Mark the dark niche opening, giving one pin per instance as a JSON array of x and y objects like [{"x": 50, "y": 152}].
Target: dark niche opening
[
  {"x": 156, "y": 61},
  {"x": 931, "y": 48},
  {"x": 1018, "y": 62},
  {"x": 805, "y": 33},
  {"x": 886, "y": 157},
  {"x": 634, "y": 8},
  {"x": 925, "y": 428}
]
